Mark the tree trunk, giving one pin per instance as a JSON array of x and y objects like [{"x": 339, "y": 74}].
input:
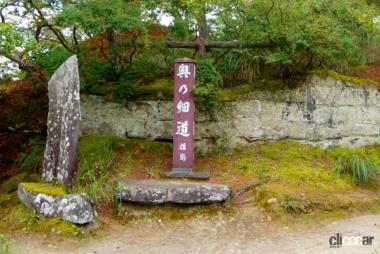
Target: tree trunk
[
  {"x": 203, "y": 34},
  {"x": 115, "y": 57}
]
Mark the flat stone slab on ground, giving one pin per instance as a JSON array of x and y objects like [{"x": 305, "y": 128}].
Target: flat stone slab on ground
[
  {"x": 75, "y": 208},
  {"x": 175, "y": 192},
  {"x": 189, "y": 175}
]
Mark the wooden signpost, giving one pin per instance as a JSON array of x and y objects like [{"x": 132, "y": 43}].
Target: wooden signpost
[{"x": 184, "y": 121}]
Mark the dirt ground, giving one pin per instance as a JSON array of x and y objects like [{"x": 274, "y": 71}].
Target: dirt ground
[{"x": 243, "y": 232}]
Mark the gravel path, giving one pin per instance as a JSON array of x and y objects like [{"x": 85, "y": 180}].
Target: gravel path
[{"x": 245, "y": 232}]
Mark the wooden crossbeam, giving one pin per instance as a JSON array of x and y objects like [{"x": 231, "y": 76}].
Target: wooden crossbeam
[{"x": 218, "y": 44}]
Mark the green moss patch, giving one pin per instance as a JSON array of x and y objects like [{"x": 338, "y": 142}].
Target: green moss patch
[
  {"x": 162, "y": 88},
  {"x": 45, "y": 188},
  {"x": 345, "y": 78},
  {"x": 19, "y": 218},
  {"x": 159, "y": 89},
  {"x": 302, "y": 178}
]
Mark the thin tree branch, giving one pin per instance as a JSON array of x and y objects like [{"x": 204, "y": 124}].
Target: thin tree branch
[
  {"x": 75, "y": 39},
  {"x": 35, "y": 71},
  {"x": 101, "y": 48},
  {"x": 281, "y": 15},
  {"x": 134, "y": 48},
  {"x": 58, "y": 33},
  {"x": 268, "y": 12}
]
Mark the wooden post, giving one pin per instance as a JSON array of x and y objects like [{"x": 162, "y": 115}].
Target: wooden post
[
  {"x": 184, "y": 121},
  {"x": 183, "y": 115}
]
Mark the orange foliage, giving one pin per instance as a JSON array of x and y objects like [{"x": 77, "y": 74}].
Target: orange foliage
[
  {"x": 371, "y": 72},
  {"x": 100, "y": 44}
]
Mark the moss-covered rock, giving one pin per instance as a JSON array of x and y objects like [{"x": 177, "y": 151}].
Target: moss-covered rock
[{"x": 74, "y": 208}]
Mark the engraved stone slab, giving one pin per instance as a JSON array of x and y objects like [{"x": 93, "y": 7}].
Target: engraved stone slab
[{"x": 63, "y": 125}]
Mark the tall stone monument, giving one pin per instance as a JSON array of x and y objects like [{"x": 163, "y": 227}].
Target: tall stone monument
[
  {"x": 184, "y": 121},
  {"x": 61, "y": 153}
]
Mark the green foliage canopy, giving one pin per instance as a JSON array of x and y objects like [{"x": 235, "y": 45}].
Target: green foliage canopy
[{"x": 114, "y": 40}]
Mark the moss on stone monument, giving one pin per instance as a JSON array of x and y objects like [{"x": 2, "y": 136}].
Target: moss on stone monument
[{"x": 45, "y": 188}]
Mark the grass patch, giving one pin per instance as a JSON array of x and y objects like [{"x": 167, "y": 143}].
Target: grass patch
[
  {"x": 357, "y": 164},
  {"x": 94, "y": 174},
  {"x": 4, "y": 246},
  {"x": 31, "y": 161},
  {"x": 143, "y": 159},
  {"x": 45, "y": 188},
  {"x": 302, "y": 177}
]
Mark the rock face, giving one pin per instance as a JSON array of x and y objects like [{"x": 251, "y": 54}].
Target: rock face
[
  {"x": 61, "y": 153},
  {"x": 75, "y": 208},
  {"x": 323, "y": 111},
  {"x": 161, "y": 192}
]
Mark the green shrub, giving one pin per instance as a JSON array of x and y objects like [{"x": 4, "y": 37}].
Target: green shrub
[
  {"x": 93, "y": 72},
  {"x": 207, "y": 73},
  {"x": 356, "y": 163},
  {"x": 123, "y": 91},
  {"x": 145, "y": 67},
  {"x": 206, "y": 96},
  {"x": 208, "y": 82}
]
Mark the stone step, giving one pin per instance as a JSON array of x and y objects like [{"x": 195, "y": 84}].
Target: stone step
[{"x": 168, "y": 191}]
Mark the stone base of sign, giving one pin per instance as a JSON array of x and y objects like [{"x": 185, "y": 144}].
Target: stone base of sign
[
  {"x": 154, "y": 192},
  {"x": 74, "y": 208},
  {"x": 178, "y": 173}
]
